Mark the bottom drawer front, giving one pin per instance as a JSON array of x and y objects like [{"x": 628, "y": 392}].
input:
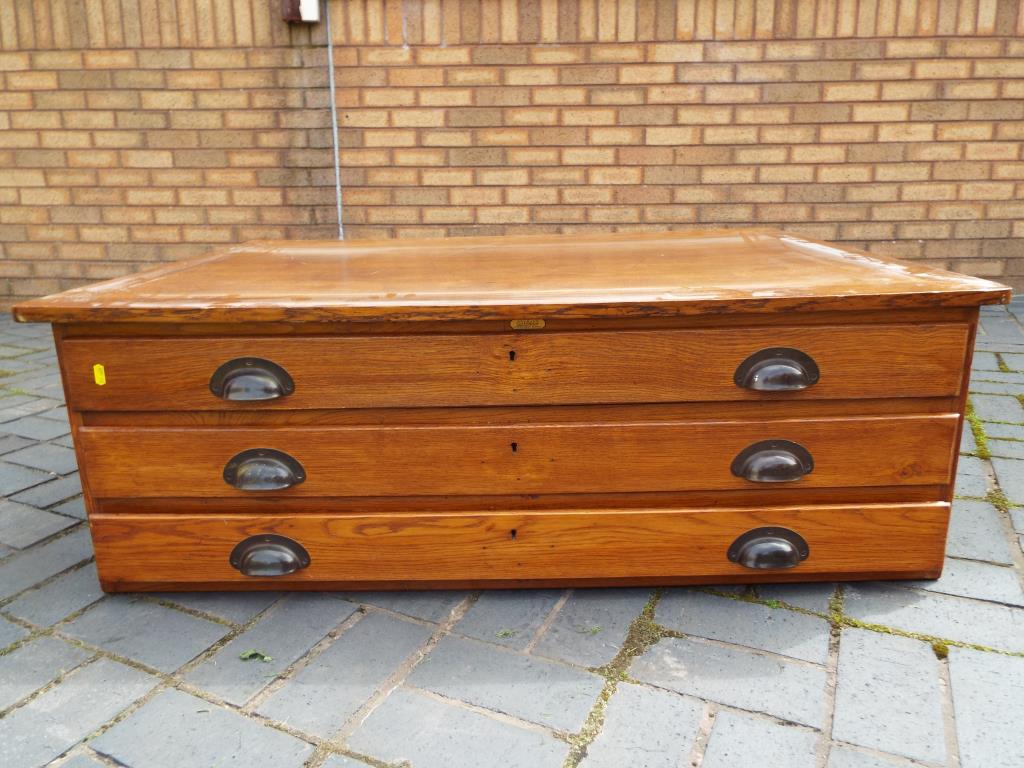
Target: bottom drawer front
[{"x": 424, "y": 550}]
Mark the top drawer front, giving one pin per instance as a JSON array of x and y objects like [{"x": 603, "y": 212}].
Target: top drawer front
[{"x": 516, "y": 369}]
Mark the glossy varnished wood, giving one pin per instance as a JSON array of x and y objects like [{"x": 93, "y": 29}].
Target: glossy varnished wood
[
  {"x": 508, "y": 369},
  {"x": 511, "y": 548},
  {"x": 511, "y": 412},
  {"x": 551, "y": 458},
  {"x": 578, "y": 276}
]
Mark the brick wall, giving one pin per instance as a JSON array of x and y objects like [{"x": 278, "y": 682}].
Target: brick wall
[{"x": 133, "y": 131}]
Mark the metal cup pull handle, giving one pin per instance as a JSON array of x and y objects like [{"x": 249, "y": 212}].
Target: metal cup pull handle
[
  {"x": 263, "y": 469},
  {"x": 773, "y": 461},
  {"x": 247, "y": 379},
  {"x": 267, "y": 554},
  {"x": 779, "y": 369},
  {"x": 769, "y": 549}
]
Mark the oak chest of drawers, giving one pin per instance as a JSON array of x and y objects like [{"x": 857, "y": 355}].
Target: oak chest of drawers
[{"x": 658, "y": 408}]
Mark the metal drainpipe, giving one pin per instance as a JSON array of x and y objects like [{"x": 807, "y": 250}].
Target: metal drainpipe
[{"x": 334, "y": 118}]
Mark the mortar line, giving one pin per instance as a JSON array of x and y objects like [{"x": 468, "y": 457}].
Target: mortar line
[
  {"x": 548, "y": 621},
  {"x": 824, "y": 746},
  {"x": 259, "y": 698},
  {"x": 403, "y": 670},
  {"x": 948, "y": 715},
  {"x": 703, "y": 737},
  {"x": 493, "y": 714}
]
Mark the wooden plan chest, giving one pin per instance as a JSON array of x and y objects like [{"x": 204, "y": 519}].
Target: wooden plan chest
[{"x": 656, "y": 408}]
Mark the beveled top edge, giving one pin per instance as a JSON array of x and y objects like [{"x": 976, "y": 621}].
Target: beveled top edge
[{"x": 627, "y": 274}]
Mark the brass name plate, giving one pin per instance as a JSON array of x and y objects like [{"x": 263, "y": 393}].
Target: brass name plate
[{"x": 527, "y": 324}]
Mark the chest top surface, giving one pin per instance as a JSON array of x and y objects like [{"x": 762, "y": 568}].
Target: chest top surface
[{"x": 592, "y": 275}]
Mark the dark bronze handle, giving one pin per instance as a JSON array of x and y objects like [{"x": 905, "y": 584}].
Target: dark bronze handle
[
  {"x": 773, "y": 461},
  {"x": 263, "y": 469},
  {"x": 779, "y": 369},
  {"x": 769, "y": 549},
  {"x": 268, "y": 554},
  {"x": 251, "y": 378}
]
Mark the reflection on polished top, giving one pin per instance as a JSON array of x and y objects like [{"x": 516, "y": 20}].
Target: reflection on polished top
[{"x": 593, "y": 275}]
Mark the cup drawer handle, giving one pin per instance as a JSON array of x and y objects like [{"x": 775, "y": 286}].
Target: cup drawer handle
[
  {"x": 268, "y": 554},
  {"x": 251, "y": 378},
  {"x": 773, "y": 461},
  {"x": 779, "y": 369},
  {"x": 769, "y": 549},
  {"x": 263, "y": 469}
]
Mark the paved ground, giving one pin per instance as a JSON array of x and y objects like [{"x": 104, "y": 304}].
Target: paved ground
[{"x": 860, "y": 676}]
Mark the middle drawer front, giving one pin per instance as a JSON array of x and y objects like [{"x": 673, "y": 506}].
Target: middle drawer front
[
  {"x": 649, "y": 366},
  {"x": 122, "y": 462}
]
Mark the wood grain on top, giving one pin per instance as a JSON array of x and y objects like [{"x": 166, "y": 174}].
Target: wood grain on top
[{"x": 600, "y": 275}]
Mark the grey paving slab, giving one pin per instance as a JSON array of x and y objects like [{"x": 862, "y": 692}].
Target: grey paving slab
[
  {"x": 889, "y": 696},
  {"x": 14, "y": 478},
  {"x": 28, "y": 568},
  {"x": 410, "y": 726},
  {"x": 645, "y": 728},
  {"x": 985, "y": 361},
  {"x": 159, "y": 637},
  {"x": 429, "y": 606},
  {"x": 751, "y": 624},
  {"x": 10, "y": 632},
  {"x": 59, "y": 718},
  {"x": 1000, "y": 327},
  {"x": 746, "y": 740},
  {"x": 72, "y": 508},
  {"x": 1010, "y": 476},
  {"x": 1005, "y": 431},
  {"x": 976, "y": 532},
  {"x": 508, "y": 617},
  {"x": 967, "y": 442},
  {"x": 996, "y": 408},
  {"x": 175, "y": 729},
  {"x": 842, "y": 756},
  {"x": 1014, "y": 360},
  {"x": 1002, "y": 377},
  {"x": 737, "y": 677},
  {"x": 237, "y": 607},
  {"x": 47, "y": 457},
  {"x": 951, "y": 618},
  {"x": 526, "y": 687},
  {"x": 971, "y": 465},
  {"x": 35, "y": 428},
  {"x": 997, "y": 388},
  {"x": 31, "y": 666},
  {"x": 286, "y": 633},
  {"x": 593, "y": 623},
  {"x": 813, "y": 597},
  {"x": 60, "y": 413},
  {"x": 54, "y": 601},
  {"x": 1006, "y": 449},
  {"x": 12, "y": 408},
  {"x": 1017, "y": 519},
  {"x": 989, "y": 708},
  {"x": 7, "y": 352},
  {"x": 10, "y": 443},
  {"x": 982, "y": 581},
  {"x": 971, "y": 485},
  {"x": 49, "y": 493},
  {"x": 22, "y": 526},
  {"x": 329, "y": 690}
]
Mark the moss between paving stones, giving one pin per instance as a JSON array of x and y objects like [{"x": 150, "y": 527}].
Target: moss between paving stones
[
  {"x": 642, "y": 634},
  {"x": 980, "y": 438}
]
